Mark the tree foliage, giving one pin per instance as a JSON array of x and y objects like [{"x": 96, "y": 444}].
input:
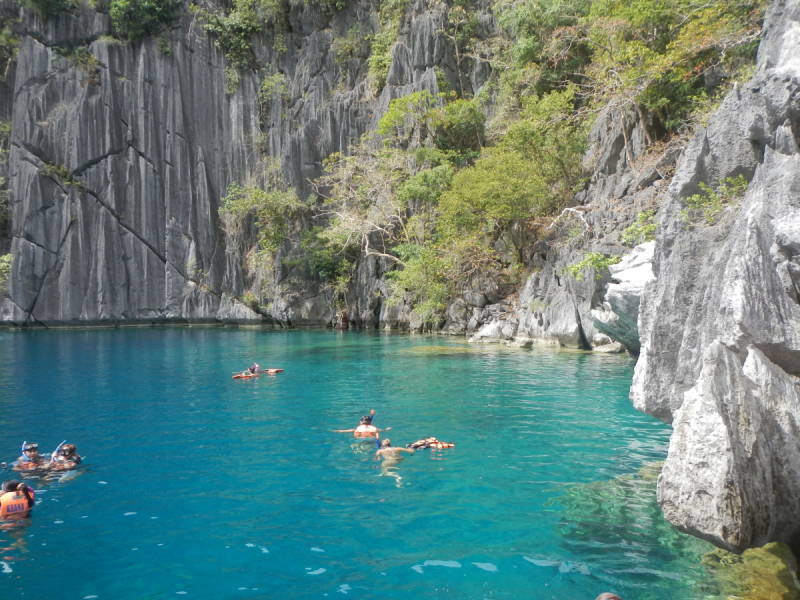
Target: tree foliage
[
  {"x": 592, "y": 260},
  {"x": 451, "y": 186},
  {"x": 5, "y": 271},
  {"x": 137, "y": 19},
  {"x": 50, "y": 8}
]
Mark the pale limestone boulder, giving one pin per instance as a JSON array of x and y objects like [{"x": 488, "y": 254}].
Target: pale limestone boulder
[
  {"x": 732, "y": 475},
  {"x": 619, "y": 314}
]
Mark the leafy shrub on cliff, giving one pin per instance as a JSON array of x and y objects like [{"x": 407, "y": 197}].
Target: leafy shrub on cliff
[
  {"x": 9, "y": 41},
  {"x": 642, "y": 230},
  {"x": 232, "y": 30},
  {"x": 50, "y": 8},
  {"x": 531, "y": 174},
  {"x": 272, "y": 211},
  {"x": 83, "y": 58},
  {"x": 382, "y": 41},
  {"x": 592, "y": 260},
  {"x": 134, "y": 20},
  {"x": 708, "y": 205},
  {"x": 456, "y": 128},
  {"x": 5, "y": 270},
  {"x": 459, "y": 127},
  {"x": 424, "y": 280}
]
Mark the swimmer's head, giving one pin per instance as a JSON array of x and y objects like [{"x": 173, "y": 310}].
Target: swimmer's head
[
  {"x": 386, "y": 443},
  {"x": 366, "y": 420},
  {"x": 67, "y": 450},
  {"x": 31, "y": 449},
  {"x": 11, "y": 486}
]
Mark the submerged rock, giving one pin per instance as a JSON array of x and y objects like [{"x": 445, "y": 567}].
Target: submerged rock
[{"x": 768, "y": 573}]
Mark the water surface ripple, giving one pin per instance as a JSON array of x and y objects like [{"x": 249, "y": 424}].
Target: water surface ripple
[{"x": 196, "y": 485}]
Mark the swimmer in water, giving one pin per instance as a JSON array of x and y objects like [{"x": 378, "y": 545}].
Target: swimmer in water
[
  {"x": 391, "y": 457},
  {"x": 366, "y": 429},
  {"x": 30, "y": 458},
  {"x": 65, "y": 457},
  {"x": 16, "y": 500},
  {"x": 389, "y": 453}
]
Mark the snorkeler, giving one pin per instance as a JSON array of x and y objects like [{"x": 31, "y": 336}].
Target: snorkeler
[
  {"x": 30, "y": 458},
  {"x": 366, "y": 429},
  {"x": 65, "y": 457},
  {"x": 16, "y": 499},
  {"x": 255, "y": 369},
  {"x": 391, "y": 457},
  {"x": 389, "y": 452}
]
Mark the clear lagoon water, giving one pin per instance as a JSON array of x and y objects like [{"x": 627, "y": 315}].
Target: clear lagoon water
[{"x": 199, "y": 486}]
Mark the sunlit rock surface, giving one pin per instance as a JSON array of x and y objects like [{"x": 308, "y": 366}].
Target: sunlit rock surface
[
  {"x": 618, "y": 318},
  {"x": 720, "y": 326}
]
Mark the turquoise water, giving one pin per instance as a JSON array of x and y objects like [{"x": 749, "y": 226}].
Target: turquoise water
[{"x": 199, "y": 486}]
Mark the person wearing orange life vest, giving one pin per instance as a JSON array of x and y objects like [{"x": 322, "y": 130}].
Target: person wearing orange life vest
[
  {"x": 16, "y": 500},
  {"x": 30, "y": 458}
]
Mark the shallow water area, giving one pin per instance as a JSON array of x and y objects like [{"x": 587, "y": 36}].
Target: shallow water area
[{"x": 199, "y": 486}]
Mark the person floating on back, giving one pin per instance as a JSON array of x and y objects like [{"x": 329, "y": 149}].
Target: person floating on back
[
  {"x": 365, "y": 430},
  {"x": 30, "y": 459},
  {"x": 65, "y": 457},
  {"x": 16, "y": 500}
]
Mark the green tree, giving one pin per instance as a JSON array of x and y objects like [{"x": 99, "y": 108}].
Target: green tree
[
  {"x": 531, "y": 174},
  {"x": 5, "y": 271},
  {"x": 50, "y": 8},
  {"x": 137, "y": 19}
]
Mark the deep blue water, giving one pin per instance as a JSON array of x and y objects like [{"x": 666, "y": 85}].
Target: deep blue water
[{"x": 199, "y": 486}]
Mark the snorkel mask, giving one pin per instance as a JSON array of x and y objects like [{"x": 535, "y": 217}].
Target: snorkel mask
[{"x": 26, "y": 447}]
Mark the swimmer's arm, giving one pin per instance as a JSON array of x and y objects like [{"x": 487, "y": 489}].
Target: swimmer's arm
[
  {"x": 387, "y": 429},
  {"x": 409, "y": 450},
  {"x": 342, "y": 430}
]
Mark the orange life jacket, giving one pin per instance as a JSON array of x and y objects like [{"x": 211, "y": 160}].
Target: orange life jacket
[{"x": 14, "y": 504}]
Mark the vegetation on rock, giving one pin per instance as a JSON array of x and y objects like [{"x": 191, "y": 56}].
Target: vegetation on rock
[
  {"x": 451, "y": 186},
  {"x": 640, "y": 231},
  {"x": 134, "y": 20},
  {"x": 709, "y": 205},
  {"x": 592, "y": 260},
  {"x": 5, "y": 270}
]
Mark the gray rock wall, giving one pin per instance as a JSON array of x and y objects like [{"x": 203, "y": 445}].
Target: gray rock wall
[
  {"x": 720, "y": 326},
  {"x": 150, "y": 143}
]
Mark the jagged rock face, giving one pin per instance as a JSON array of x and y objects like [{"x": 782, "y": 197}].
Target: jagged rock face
[
  {"x": 720, "y": 326},
  {"x": 618, "y": 318},
  {"x": 151, "y": 143},
  {"x": 553, "y": 307}
]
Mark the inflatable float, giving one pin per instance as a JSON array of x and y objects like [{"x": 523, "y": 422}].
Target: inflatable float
[
  {"x": 431, "y": 443},
  {"x": 250, "y": 375}
]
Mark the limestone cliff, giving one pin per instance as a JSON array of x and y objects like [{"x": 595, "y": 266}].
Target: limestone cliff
[
  {"x": 720, "y": 325},
  {"x": 117, "y": 170}
]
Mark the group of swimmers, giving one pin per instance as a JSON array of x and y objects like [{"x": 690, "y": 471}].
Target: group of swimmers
[
  {"x": 17, "y": 497},
  {"x": 390, "y": 454}
]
